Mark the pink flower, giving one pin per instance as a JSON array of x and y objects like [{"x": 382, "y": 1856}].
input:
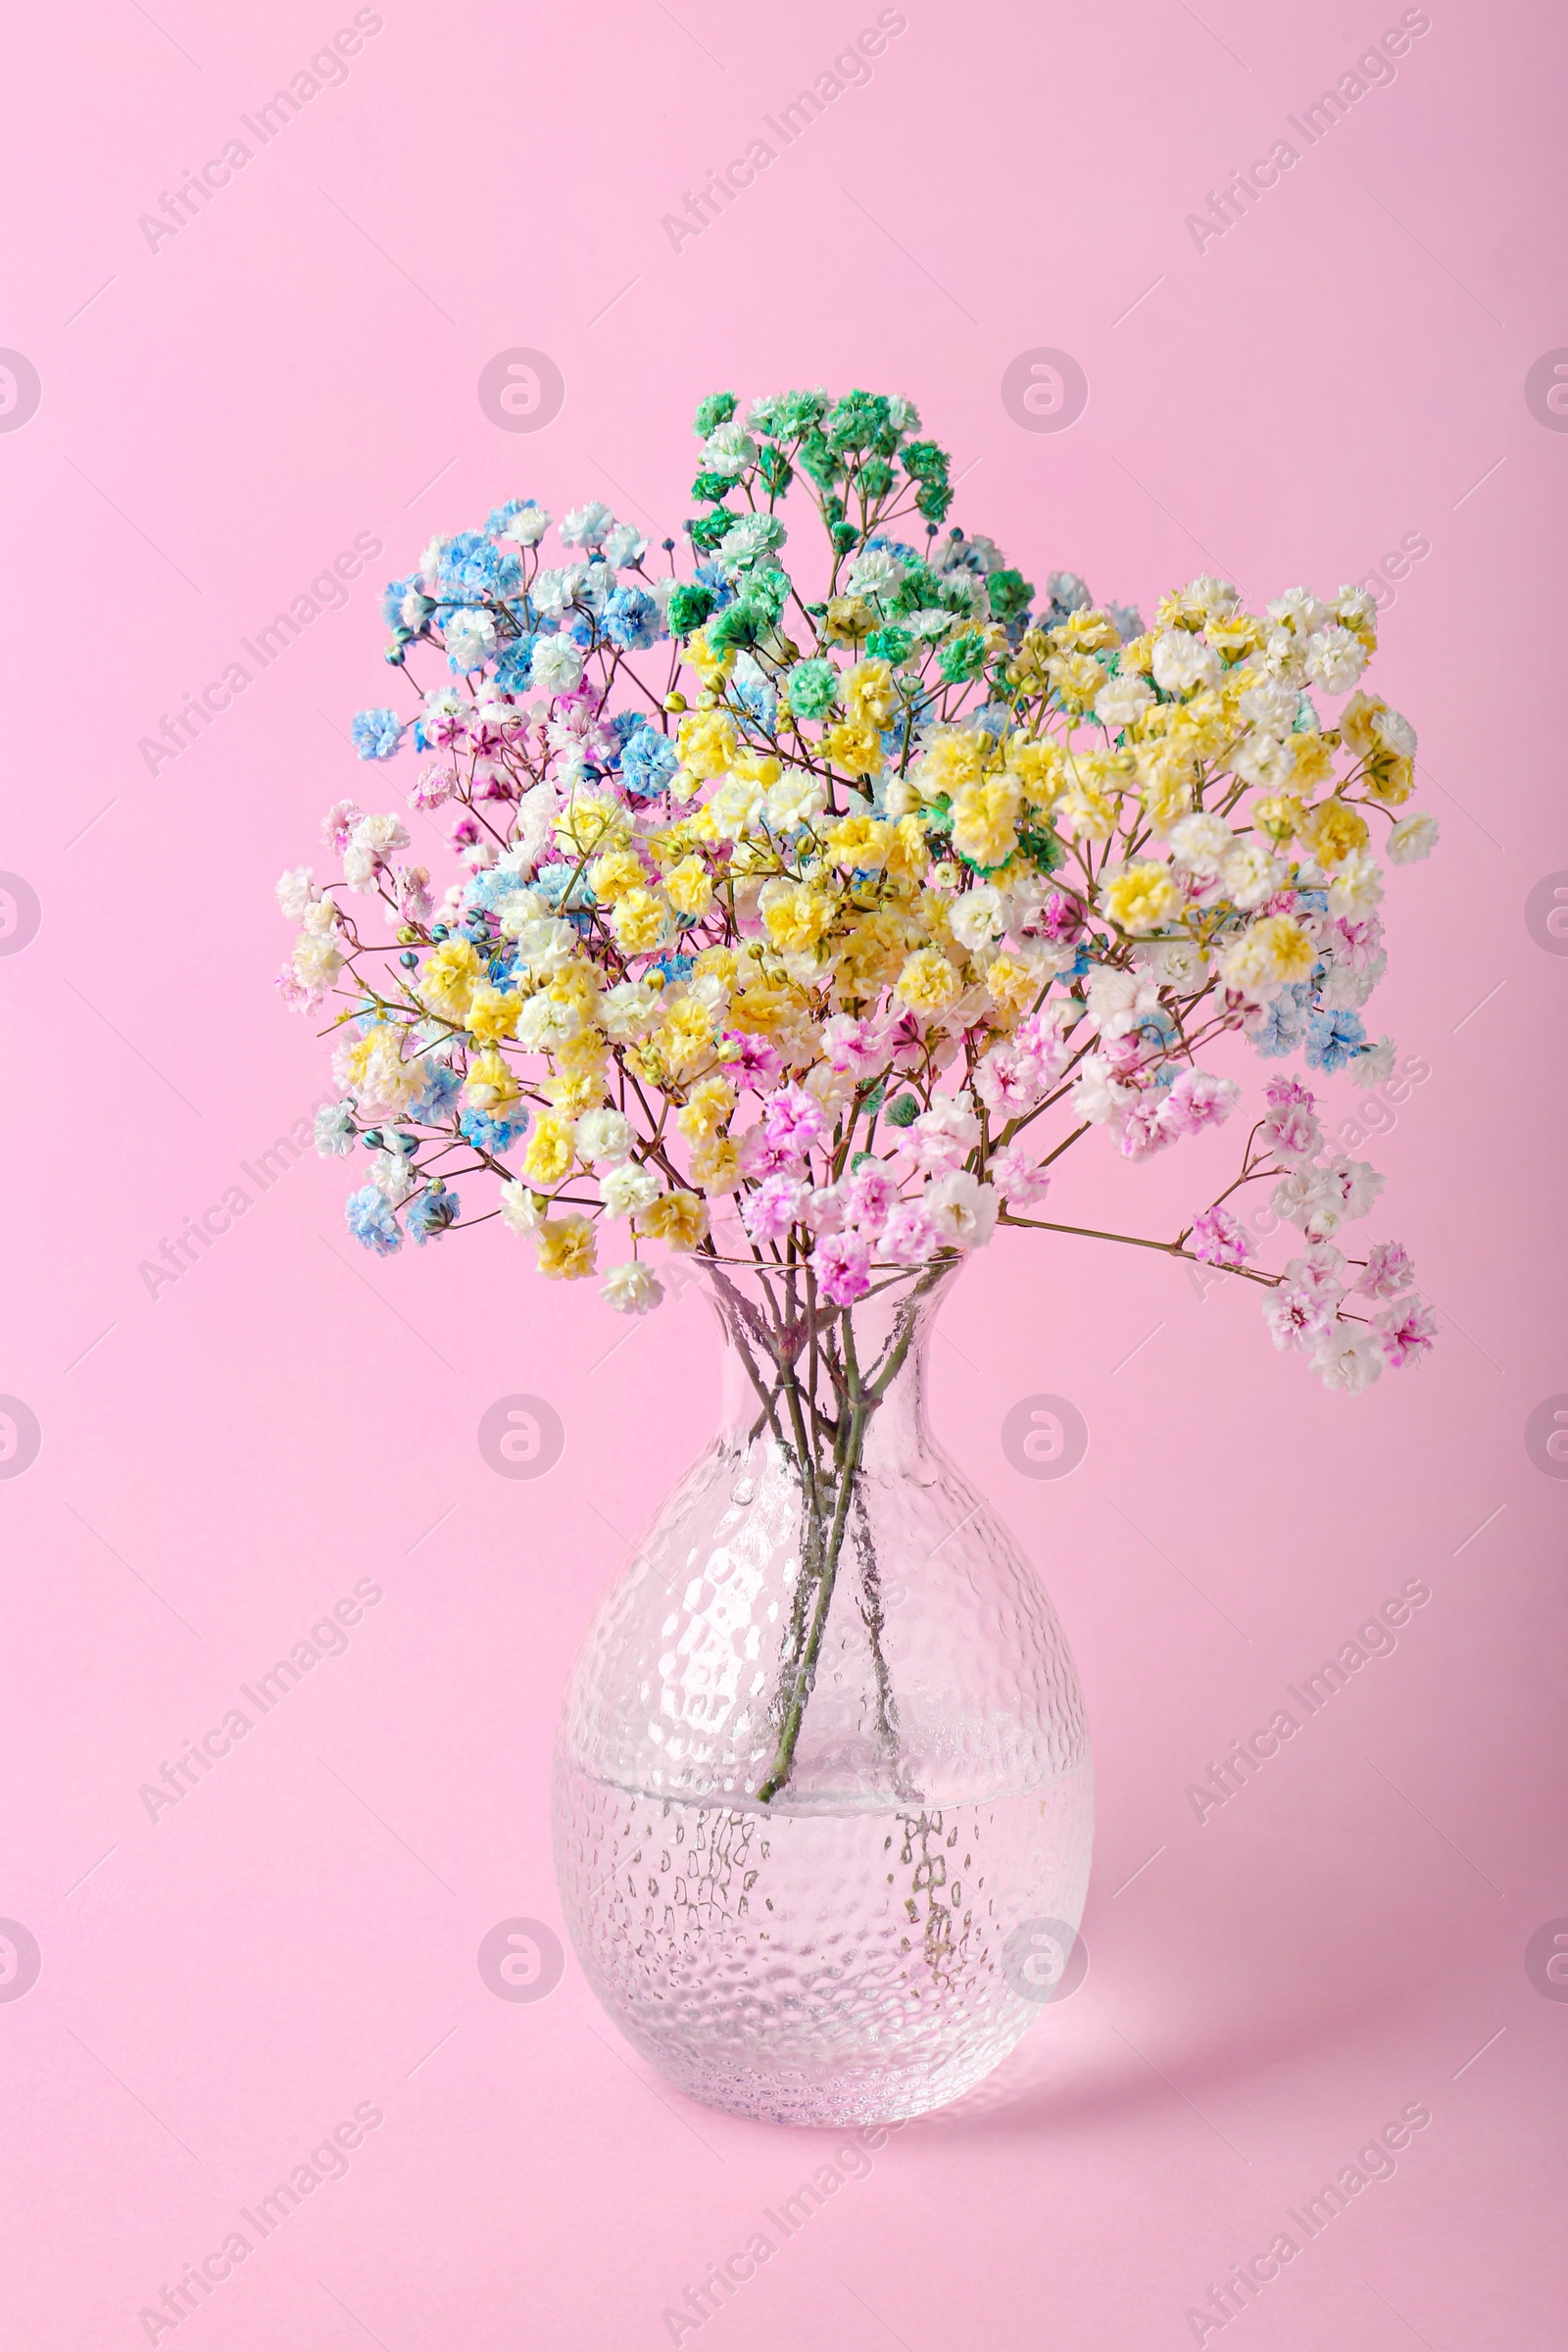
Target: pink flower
[
  {"x": 794, "y": 1119},
  {"x": 433, "y": 785},
  {"x": 1219, "y": 1239},
  {"x": 1292, "y": 1132},
  {"x": 751, "y": 1058},
  {"x": 1294, "y": 1317},
  {"x": 1282, "y": 1091},
  {"x": 1145, "y": 1129},
  {"x": 773, "y": 1208},
  {"x": 1320, "y": 1273},
  {"x": 842, "y": 1264},
  {"x": 910, "y": 1237},
  {"x": 869, "y": 1195},
  {"x": 1016, "y": 1178},
  {"x": 1196, "y": 1101},
  {"x": 760, "y": 1156},
  {"x": 823, "y": 1209},
  {"x": 858, "y": 1048},
  {"x": 1060, "y": 918},
  {"x": 1010, "y": 1081},
  {"x": 1408, "y": 1331},
  {"x": 295, "y": 995},
  {"x": 1389, "y": 1270},
  {"x": 943, "y": 1137},
  {"x": 338, "y": 823}
]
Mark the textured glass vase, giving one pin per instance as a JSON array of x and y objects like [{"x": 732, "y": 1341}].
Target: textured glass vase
[{"x": 823, "y": 1801}]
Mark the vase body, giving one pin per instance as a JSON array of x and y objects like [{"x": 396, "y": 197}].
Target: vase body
[{"x": 822, "y": 1786}]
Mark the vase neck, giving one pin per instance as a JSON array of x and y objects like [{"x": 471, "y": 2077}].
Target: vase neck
[{"x": 795, "y": 1367}]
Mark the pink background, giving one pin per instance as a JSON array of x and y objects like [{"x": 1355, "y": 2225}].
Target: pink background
[{"x": 222, "y": 1462}]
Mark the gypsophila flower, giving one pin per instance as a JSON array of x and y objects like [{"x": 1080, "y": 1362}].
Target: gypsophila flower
[{"x": 377, "y": 734}]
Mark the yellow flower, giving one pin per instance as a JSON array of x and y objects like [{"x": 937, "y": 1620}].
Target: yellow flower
[
  {"x": 713, "y": 668},
  {"x": 1086, "y": 632},
  {"x": 1138, "y": 654},
  {"x": 1077, "y": 679},
  {"x": 848, "y": 619},
  {"x": 1141, "y": 897},
  {"x": 1041, "y": 768},
  {"x": 716, "y": 963},
  {"x": 550, "y": 1150},
  {"x": 1311, "y": 761},
  {"x": 953, "y": 761},
  {"x": 1355, "y": 724},
  {"x": 796, "y": 916},
  {"x": 1391, "y": 780},
  {"x": 707, "y": 742},
  {"x": 1165, "y": 775},
  {"x": 757, "y": 767},
  {"x": 446, "y": 983},
  {"x": 1235, "y": 633},
  {"x": 1278, "y": 815},
  {"x": 928, "y": 983},
  {"x": 492, "y": 1082},
  {"x": 855, "y": 746},
  {"x": 860, "y": 842},
  {"x": 591, "y": 821},
  {"x": 491, "y": 1012},
  {"x": 983, "y": 829},
  {"x": 706, "y": 1108},
  {"x": 565, "y": 1247},
  {"x": 869, "y": 693},
  {"x": 689, "y": 887},
  {"x": 1331, "y": 831},
  {"x": 717, "y": 1164},
  {"x": 678, "y": 1219},
  {"x": 685, "y": 1036},
  {"x": 639, "y": 922},
  {"x": 1270, "y": 952},
  {"x": 908, "y": 855},
  {"x": 1012, "y": 984},
  {"x": 1084, "y": 813},
  {"x": 873, "y": 954},
  {"x": 572, "y": 1095},
  {"x": 611, "y": 877}
]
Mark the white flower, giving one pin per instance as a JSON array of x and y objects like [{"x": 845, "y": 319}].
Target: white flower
[
  {"x": 1122, "y": 701},
  {"x": 316, "y": 962},
  {"x": 930, "y": 622},
  {"x": 544, "y": 1022},
  {"x": 585, "y": 526},
  {"x": 875, "y": 573},
  {"x": 553, "y": 591},
  {"x": 1335, "y": 660},
  {"x": 1357, "y": 608},
  {"x": 528, "y": 528},
  {"x": 735, "y": 807},
  {"x": 1118, "y": 1001},
  {"x": 1345, "y": 989},
  {"x": 556, "y": 665},
  {"x": 1285, "y": 659},
  {"x": 795, "y": 800},
  {"x": 1374, "y": 1063},
  {"x": 1356, "y": 885},
  {"x": 1260, "y": 758},
  {"x": 1394, "y": 732},
  {"x": 293, "y": 892},
  {"x": 319, "y": 919},
  {"x": 1200, "y": 844},
  {"x": 632, "y": 1289},
  {"x": 471, "y": 638},
  {"x": 334, "y": 1129},
  {"x": 976, "y": 917},
  {"x": 544, "y": 945},
  {"x": 380, "y": 834},
  {"x": 1357, "y": 1185},
  {"x": 1095, "y": 1094},
  {"x": 729, "y": 449},
  {"x": 1182, "y": 662},
  {"x": 962, "y": 1210},
  {"x": 1308, "y": 1197},
  {"x": 1252, "y": 876},
  {"x": 1349, "y": 1357},
  {"x": 623, "y": 545},
  {"x": 1268, "y": 703},
  {"x": 627, "y": 1190},
  {"x": 1217, "y": 598},
  {"x": 1413, "y": 838},
  {"x": 392, "y": 1176},
  {"x": 1175, "y": 963},
  {"x": 628, "y": 1011},
  {"x": 520, "y": 1212},
  {"x": 1299, "y": 610},
  {"x": 603, "y": 1137}
]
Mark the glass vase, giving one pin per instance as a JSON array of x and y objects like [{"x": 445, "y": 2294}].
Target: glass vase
[{"x": 823, "y": 1798}]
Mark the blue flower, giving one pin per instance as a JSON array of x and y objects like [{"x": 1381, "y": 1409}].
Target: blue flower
[
  {"x": 431, "y": 1213},
  {"x": 675, "y": 967},
  {"x": 372, "y": 1222},
  {"x": 710, "y": 577},
  {"x": 1333, "y": 1039},
  {"x": 392, "y": 596},
  {"x": 515, "y": 665},
  {"x": 495, "y": 1136},
  {"x": 1283, "y": 1024},
  {"x": 631, "y": 619},
  {"x": 647, "y": 763},
  {"x": 442, "y": 1086},
  {"x": 376, "y": 733}
]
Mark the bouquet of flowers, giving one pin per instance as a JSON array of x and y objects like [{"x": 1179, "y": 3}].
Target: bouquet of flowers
[{"x": 805, "y": 912}]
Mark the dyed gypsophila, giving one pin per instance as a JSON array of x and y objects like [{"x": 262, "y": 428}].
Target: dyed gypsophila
[{"x": 805, "y": 916}]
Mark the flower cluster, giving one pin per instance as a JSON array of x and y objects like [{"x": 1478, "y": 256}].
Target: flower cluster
[{"x": 806, "y": 913}]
